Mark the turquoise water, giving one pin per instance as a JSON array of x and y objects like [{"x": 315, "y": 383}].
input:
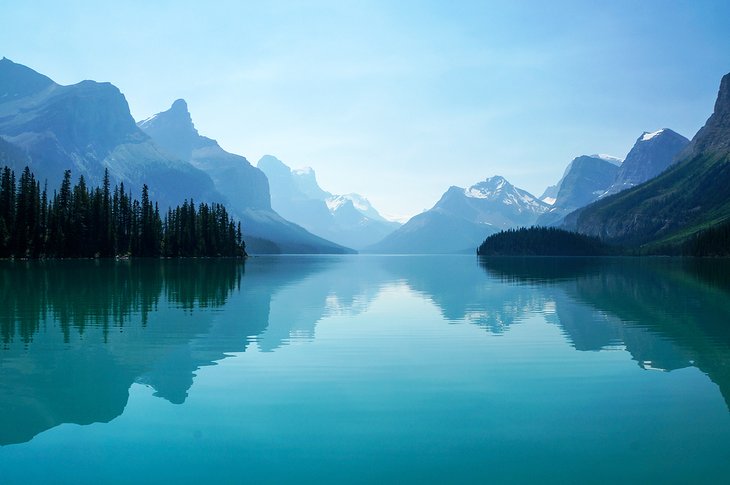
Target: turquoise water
[{"x": 376, "y": 369}]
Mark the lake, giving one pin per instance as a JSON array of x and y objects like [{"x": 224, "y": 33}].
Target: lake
[{"x": 365, "y": 369}]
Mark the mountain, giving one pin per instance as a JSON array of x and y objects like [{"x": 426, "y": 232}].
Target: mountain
[
  {"x": 11, "y": 155},
  {"x": 585, "y": 179},
  {"x": 589, "y": 178},
  {"x": 245, "y": 187},
  {"x": 690, "y": 195},
  {"x": 551, "y": 193},
  {"x": 347, "y": 219},
  {"x": 87, "y": 128},
  {"x": 651, "y": 154},
  {"x": 463, "y": 218}
]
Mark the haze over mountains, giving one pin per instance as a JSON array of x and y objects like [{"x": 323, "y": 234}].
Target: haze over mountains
[
  {"x": 347, "y": 219},
  {"x": 664, "y": 211},
  {"x": 590, "y": 178},
  {"x": 463, "y": 218},
  {"x": 666, "y": 189},
  {"x": 245, "y": 187},
  {"x": 87, "y": 128}
]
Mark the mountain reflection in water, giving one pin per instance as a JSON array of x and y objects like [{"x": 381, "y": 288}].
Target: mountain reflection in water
[{"x": 75, "y": 335}]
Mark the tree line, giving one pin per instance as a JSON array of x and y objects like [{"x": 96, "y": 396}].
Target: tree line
[
  {"x": 544, "y": 241},
  {"x": 77, "y": 221}
]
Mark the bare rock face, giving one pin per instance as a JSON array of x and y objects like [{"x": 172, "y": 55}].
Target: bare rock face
[
  {"x": 87, "y": 128},
  {"x": 691, "y": 194},
  {"x": 585, "y": 180},
  {"x": 714, "y": 137},
  {"x": 652, "y": 154}
]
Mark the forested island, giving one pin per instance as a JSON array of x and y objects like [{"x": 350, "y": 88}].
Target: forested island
[
  {"x": 544, "y": 241},
  {"x": 549, "y": 241},
  {"x": 78, "y": 221}
]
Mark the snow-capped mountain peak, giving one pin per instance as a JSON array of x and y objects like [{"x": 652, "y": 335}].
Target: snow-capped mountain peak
[
  {"x": 646, "y": 136},
  {"x": 498, "y": 189},
  {"x": 489, "y": 188},
  {"x": 347, "y": 219},
  {"x": 608, "y": 158}
]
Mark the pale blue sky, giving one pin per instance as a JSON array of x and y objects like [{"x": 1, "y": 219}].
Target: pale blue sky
[{"x": 396, "y": 100}]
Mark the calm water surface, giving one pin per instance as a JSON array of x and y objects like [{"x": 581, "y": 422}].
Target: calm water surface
[{"x": 377, "y": 369}]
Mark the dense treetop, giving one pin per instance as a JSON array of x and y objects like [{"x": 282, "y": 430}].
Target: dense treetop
[
  {"x": 543, "y": 241},
  {"x": 82, "y": 222}
]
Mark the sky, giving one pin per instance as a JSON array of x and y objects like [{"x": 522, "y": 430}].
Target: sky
[{"x": 399, "y": 100}]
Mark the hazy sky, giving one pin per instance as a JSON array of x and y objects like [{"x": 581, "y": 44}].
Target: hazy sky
[{"x": 396, "y": 100}]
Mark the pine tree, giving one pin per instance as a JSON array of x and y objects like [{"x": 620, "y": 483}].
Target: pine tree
[{"x": 80, "y": 221}]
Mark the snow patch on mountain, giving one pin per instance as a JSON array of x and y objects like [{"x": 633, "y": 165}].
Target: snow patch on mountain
[
  {"x": 608, "y": 158},
  {"x": 648, "y": 136},
  {"x": 302, "y": 171},
  {"x": 498, "y": 189}
]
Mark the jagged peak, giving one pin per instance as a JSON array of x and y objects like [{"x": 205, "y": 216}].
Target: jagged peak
[
  {"x": 496, "y": 182},
  {"x": 488, "y": 188},
  {"x": 179, "y": 105},
  {"x": 714, "y": 136},
  {"x": 722, "y": 104},
  {"x": 176, "y": 116}
]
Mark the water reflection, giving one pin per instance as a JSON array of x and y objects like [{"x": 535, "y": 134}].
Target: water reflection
[
  {"x": 668, "y": 313},
  {"x": 77, "y": 334}
]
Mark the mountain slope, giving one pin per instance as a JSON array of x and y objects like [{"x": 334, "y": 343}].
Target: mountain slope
[
  {"x": 87, "y": 127},
  {"x": 690, "y": 195},
  {"x": 651, "y": 154},
  {"x": 585, "y": 179},
  {"x": 463, "y": 218},
  {"x": 346, "y": 219},
  {"x": 245, "y": 186}
]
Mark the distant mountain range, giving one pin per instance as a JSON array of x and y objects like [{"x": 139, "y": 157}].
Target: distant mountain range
[
  {"x": 666, "y": 189},
  {"x": 87, "y": 128},
  {"x": 690, "y": 195},
  {"x": 590, "y": 178},
  {"x": 347, "y": 219},
  {"x": 463, "y": 218},
  {"x": 245, "y": 187}
]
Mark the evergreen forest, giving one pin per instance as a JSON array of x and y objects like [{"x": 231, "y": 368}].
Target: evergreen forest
[
  {"x": 543, "y": 241},
  {"x": 78, "y": 221},
  {"x": 711, "y": 242}
]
